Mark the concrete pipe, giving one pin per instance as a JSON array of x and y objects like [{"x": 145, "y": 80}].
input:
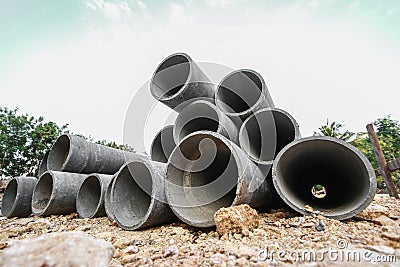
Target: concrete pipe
[
  {"x": 266, "y": 132},
  {"x": 55, "y": 193},
  {"x": 90, "y": 197},
  {"x": 108, "y": 200},
  {"x": 43, "y": 164},
  {"x": 74, "y": 154},
  {"x": 138, "y": 195},
  {"x": 203, "y": 115},
  {"x": 241, "y": 93},
  {"x": 207, "y": 172},
  {"x": 325, "y": 173},
  {"x": 163, "y": 144},
  {"x": 17, "y": 197},
  {"x": 178, "y": 80}
]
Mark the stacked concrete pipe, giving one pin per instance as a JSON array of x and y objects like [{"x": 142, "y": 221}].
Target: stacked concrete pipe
[
  {"x": 17, "y": 197},
  {"x": 55, "y": 193},
  {"x": 91, "y": 195},
  {"x": 43, "y": 164},
  {"x": 343, "y": 171},
  {"x": 138, "y": 195},
  {"x": 178, "y": 80},
  {"x": 206, "y": 172},
  {"x": 71, "y": 153},
  {"x": 163, "y": 144}
]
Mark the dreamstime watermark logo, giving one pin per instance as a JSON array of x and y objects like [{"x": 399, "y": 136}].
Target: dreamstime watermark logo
[
  {"x": 212, "y": 97},
  {"x": 339, "y": 254}
]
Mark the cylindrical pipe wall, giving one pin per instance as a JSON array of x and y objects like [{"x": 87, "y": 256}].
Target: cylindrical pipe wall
[
  {"x": 55, "y": 193},
  {"x": 90, "y": 197},
  {"x": 178, "y": 80},
  {"x": 266, "y": 132},
  {"x": 17, "y": 197},
  {"x": 74, "y": 154},
  {"x": 138, "y": 195},
  {"x": 341, "y": 170},
  {"x": 163, "y": 144},
  {"x": 203, "y": 115},
  {"x": 108, "y": 200},
  {"x": 241, "y": 93},
  {"x": 206, "y": 172}
]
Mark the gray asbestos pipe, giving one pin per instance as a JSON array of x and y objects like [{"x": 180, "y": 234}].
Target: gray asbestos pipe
[
  {"x": 55, "y": 193},
  {"x": 138, "y": 195},
  {"x": 163, "y": 144},
  {"x": 207, "y": 172},
  {"x": 178, "y": 80},
  {"x": 266, "y": 132},
  {"x": 241, "y": 93},
  {"x": 43, "y": 164},
  {"x": 345, "y": 173},
  {"x": 17, "y": 197},
  {"x": 108, "y": 200},
  {"x": 203, "y": 115},
  {"x": 90, "y": 198},
  {"x": 74, "y": 154}
]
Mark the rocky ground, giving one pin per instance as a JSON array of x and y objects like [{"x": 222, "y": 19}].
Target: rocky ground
[{"x": 281, "y": 238}]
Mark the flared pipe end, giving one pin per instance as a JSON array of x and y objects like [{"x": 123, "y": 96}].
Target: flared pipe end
[
  {"x": 17, "y": 197},
  {"x": 325, "y": 173}
]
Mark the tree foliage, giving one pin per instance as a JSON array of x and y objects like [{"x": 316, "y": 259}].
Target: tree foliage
[
  {"x": 25, "y": 139},
  {"x": 334, "y": 129}
]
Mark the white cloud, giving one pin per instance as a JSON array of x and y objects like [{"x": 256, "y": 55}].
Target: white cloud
[
  {"x": 144, "y": 9},
  {"x": 221, "y": 3},
  {"x": 313, "y": 3},
  {"x": 112, "y": 10}
]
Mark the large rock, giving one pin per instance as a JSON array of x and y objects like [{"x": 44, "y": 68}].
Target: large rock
[
  {"x": 236, "y": 219},
  {"x": 59, "y": 249}
]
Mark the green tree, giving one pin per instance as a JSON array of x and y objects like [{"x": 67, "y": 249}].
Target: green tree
[
  {"x": 334, "y": 129},
  {"x": 23, "y": 142}
]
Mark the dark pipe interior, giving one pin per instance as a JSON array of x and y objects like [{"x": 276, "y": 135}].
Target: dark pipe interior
[
  {"x": 9, "y": 197},
  {"x": 163, "y": 145},
  {"x": 59, "y": 153},
  {"x": 338, "y": 169},
  {"x": 170, "y": 76},
  {"x": 42, "y": 192},
  {"x": 89, "y": 195},
  {"x": 239, "y": 91}
]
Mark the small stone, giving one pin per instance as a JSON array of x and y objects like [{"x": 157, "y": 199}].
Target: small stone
[
  {"x": 128, "y": 258},
  {"x": 394, "y": 218},
  {"x": 381, "y": 249},
  {"x": 237, "y": 236},
  {"x": 320, "y": 226},
  {"x": 384, "y": 221},
  {"x": 59, "y": 249},
  {"x": 235, "y": 219},
  {"x": 308, "y": 208},
  {"x": 307, "y": 225},
  {"x": 122, "y": 243},
  {"x": 3, "y": 245},
  {"x": 218, "y": 258},
  {"x": 131, "y": 250},
  {"x": 373, "y": 211},
  {"x": 391, "y": 235},
  {"x": 171, "y": 250}
]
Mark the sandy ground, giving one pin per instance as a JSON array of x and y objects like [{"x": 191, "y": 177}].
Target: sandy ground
[{"x": 282, "y": 238}]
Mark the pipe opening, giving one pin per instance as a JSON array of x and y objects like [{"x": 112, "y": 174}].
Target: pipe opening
[
  {"x": 338, "y": 168},
  {"x": 162, "y": 145},
  {"x": 196, "y": 117},
  {"x": 266, "y": 133},
  {"x": 130, "y": 199},
  {"x": 42, "y": 192},
  {"x": 9, "y": 198},
  {"x": 239, "y": 91},
  {"x": 59, "y": 153},
  {"x": 194, "y": 193},
  {"x": 170, "y": 76},
  {"x": 318, "y": 191},
  {"x": 89, "y": 197}
]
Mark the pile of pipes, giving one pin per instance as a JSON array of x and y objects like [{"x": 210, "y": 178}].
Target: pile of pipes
[{"x": 229, "y": 145}]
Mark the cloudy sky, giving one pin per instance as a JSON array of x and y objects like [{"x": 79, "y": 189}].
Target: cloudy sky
[{"x": 82, "y": 61}]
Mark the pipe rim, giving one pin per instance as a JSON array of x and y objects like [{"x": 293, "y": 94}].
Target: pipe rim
[
  {"x": 174, "y": 95},
  {"x": 372, "y": 178},
  {"x": 260, "y": 99},
  {"x": 211, "y": 107},
  {"x": 154, "y": 154},
  {"x": 93, "y": 212},
  {"x": 41, "y": 211},
  {"x": 142, "y": 220},
  {"x": 57, "y": 166},
  {"x": 108, "y": 199},
  {"x": 295, "y": 125},
  {"x": 238, "y": 187},
  {"x": 16, "y": 191}
]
